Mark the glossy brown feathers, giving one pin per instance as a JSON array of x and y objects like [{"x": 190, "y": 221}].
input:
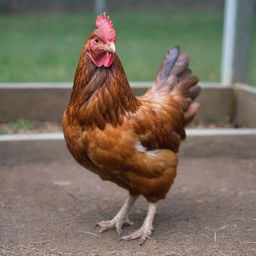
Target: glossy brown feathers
[
  {"x": 131, "y": 141},
  {"x": 101, "y": 95}
]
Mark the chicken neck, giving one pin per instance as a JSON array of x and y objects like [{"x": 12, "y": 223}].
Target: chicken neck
[{"x": 102, "y": 95}]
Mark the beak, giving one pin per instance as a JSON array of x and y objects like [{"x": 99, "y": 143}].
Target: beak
[{"x": 111, "y": 47}]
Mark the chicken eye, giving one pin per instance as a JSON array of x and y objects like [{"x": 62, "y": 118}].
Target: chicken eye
[{"x": 96, "y": 40}]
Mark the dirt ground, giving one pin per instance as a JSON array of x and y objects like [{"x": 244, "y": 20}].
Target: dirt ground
[{"x": 51, "y": 207}]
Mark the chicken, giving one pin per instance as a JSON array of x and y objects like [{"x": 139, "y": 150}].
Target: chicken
[{"x": 131, "y": 141}]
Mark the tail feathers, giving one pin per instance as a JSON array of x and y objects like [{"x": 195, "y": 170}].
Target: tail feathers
[
  {"x": 191, "y": 112},
  {"x": 174, "y": 65},
  {"x": 186, "y": 84},
  {"x": 194, "y": 91},
  {"x": 180, "y": 65},
  {"x": 176, "y": 78},
  {"x": 167, "y": 65}
]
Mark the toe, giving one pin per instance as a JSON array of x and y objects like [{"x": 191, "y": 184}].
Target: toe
[
  {"x": 142, "y": 233},
  {"x": 103, "y": 229},
  {"x": 128, "y": 222},
  {"x": 122, "y": 222},
  {"x": 105, "y": 225},
  {"x": 143, "y": 239},
  {"x": 114, "y": 224},
  {"x": 133, "y": 235},
  {"x": 119, "y": 228}
]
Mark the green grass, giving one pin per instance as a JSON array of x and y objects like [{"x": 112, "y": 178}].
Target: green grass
[
  {"x": 46, "y": 47},
  {"x": 2, "y": 132},
  {"x": 22, "y": 124}
]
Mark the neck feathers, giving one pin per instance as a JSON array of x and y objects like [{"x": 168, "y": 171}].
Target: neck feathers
[{"x": 101, "y": 95}]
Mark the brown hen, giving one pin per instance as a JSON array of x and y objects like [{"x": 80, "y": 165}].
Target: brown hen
[{"x": 131, "y": 141}]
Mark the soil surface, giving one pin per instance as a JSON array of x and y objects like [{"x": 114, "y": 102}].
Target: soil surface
[{"x": 51, "y": 207}]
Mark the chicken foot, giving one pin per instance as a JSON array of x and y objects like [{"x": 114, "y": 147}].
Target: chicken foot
[
  {"x": 121, "y": 218},
  {"x": 145, "y": 231}
]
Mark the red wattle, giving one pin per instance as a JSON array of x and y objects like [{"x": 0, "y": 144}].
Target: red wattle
[{"x": 102, "y": 59}]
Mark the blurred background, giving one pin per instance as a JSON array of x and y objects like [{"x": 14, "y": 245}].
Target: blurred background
[{"x": 40, "y": 40}]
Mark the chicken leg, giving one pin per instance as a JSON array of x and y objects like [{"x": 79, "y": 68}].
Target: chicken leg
[
  {"x": 121, "y": 218},
  {"x": 145, "y": 231}
]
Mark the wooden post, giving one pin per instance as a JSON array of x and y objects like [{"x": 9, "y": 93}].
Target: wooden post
[
  {"x": 237, "y": 39},
  {"x": 100, "y": 6}
]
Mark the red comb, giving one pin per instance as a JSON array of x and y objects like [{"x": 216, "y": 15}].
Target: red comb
[{"x": 104, "y": 24}]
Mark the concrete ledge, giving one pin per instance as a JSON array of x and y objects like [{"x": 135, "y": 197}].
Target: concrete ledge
[
  {"x": 245, "y": 97},
  {"x": 47, "y": 101},
  {"x": 42, "y": 104},
  {"x": 235, "y": 143},
  {"x": 190, "y": 133}
]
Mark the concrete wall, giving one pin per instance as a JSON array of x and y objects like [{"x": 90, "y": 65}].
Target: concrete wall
[
  {"x": 246, "y": 108},
  {"x": 33, "y": 104},
  {"x": 47, "y": 101},
  {"x": 217, "y": 105}
]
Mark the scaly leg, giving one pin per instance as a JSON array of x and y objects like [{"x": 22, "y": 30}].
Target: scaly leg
[
  {"x": 121, "y": 218},
  {"x": 146, "y": 229}
]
